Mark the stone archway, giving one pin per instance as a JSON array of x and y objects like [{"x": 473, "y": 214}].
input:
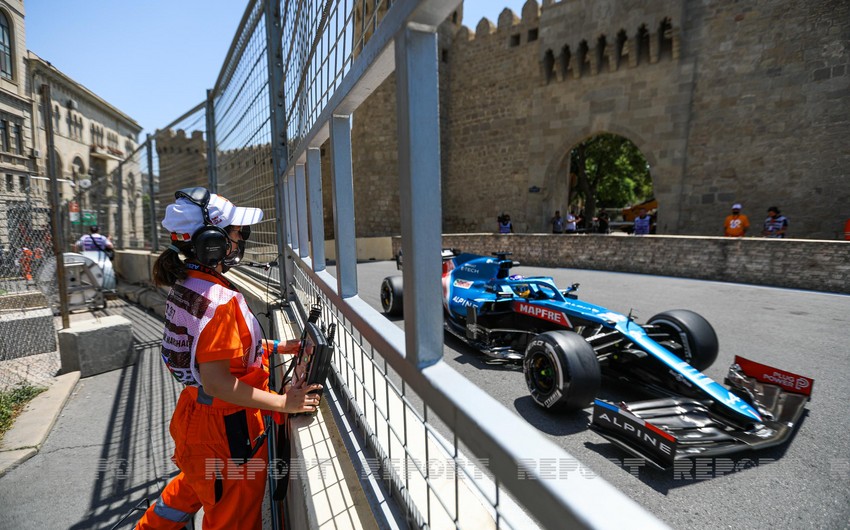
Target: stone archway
[{"x": 557, "y": 175}]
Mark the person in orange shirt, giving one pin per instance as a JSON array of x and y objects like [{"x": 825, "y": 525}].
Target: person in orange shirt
[
  {"x": 737, "y": 224},
  {"x": 213, "y": 345}
]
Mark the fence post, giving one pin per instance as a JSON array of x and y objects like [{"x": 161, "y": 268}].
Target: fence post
[
  {"x": 343, "y": 206},
  {"x": 120, "y": 196},
  {"x": 58, "y": 233},
  {"x": 154, "y": 235},
  {"x": 419, "y": 190},
  {"x": 212, "y": 159},
  {"x": 316, "y": 209},
  {"x": 280, "y": 151}
]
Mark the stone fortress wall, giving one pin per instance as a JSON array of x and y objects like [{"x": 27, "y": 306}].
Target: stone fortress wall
[{"x": 728, "y": 101}]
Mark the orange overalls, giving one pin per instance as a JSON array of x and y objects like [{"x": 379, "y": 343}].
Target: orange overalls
[{"x": 214, "y": 439}]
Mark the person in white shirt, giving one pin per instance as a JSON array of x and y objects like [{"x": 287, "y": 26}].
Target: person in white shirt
[
  {"x": 571, "y": 223},
  {"x": 94, "y": 241}
]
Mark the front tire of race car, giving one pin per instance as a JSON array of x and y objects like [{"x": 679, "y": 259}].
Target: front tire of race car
[
  {"x": 561, "y": 371},
  {"x": 392, "y": 296},
  {"x": 687, "y": 335}
]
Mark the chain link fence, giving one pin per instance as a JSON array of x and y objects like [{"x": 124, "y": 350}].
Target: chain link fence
[{"x": 27, "y": 334}]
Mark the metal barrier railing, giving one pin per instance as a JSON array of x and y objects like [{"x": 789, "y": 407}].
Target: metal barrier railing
[{"x": 416, "y": 456}]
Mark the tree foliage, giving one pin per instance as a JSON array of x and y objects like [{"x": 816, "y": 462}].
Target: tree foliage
[{"x": 610, "y": 172}]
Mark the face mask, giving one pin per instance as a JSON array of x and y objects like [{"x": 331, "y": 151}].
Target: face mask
[{"x": 233, "y": 259}]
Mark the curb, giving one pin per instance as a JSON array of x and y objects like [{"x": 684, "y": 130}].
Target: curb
[{"x": 32, "y": 427}]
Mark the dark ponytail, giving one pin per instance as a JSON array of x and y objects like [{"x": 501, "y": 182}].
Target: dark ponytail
[{"x": 168, "y": 268}]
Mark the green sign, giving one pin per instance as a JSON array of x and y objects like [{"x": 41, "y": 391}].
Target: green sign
[{"x": 89, "y": 217}]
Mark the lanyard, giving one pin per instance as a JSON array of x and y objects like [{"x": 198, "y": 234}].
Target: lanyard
[{"x": 212, "y": 272}]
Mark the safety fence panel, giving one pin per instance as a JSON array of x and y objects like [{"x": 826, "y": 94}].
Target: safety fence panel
[
  {"x": 243, "y": 170},
  {"x": 438, "y": 482},
  {"x": 27, "y": 267},
  {"x": 178, "y": 159}
]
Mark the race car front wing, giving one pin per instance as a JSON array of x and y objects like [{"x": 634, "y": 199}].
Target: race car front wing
[{"x": 668, "y": 429}]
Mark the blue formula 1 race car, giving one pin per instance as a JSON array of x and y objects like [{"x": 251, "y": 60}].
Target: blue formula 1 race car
[{"x": 567, "y": 345}]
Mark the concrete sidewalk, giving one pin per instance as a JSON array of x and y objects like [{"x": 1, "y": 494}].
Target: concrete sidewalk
[{"x": 108, "y": 450}]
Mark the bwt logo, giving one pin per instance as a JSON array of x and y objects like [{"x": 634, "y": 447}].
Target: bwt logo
[{"x": 537, "y": 311}]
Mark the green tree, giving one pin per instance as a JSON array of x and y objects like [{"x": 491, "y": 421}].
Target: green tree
[{"x": 610, "y": 171}]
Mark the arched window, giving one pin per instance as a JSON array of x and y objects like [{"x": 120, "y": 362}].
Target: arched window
[{"x": 5, "y": 47}]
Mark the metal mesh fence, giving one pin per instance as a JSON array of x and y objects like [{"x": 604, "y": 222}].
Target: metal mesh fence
[
  {"x": 243, "y": 169},
  {"x": 27, "y": 333},
  {"x": 320, "y": 41},
  {"x": 179, "y": 160}
]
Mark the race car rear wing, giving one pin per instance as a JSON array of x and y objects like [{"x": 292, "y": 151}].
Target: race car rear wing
[{"x": 668, "y": 429}]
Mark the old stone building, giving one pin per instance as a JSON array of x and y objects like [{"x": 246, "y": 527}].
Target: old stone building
[
  {"x": 728, "y": 101},
  {"x": 91, "y": 138}
]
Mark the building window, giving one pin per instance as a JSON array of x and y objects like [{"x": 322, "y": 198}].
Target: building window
[
  {"x": 5, "y": 47},
  {"x": 532, "y": 35},
  {"x": 19, "y": 139},
  {"x": 10, "y": 183},
  {"x": 22, "y": 182},
  {"x": 4, "y": 135}
]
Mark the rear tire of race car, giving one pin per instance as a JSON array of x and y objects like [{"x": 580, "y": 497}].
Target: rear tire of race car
[
  {"x": 392, "y": 296},
  {"x": 697, "y": 340},
  {"x": 561, "y": 371}
]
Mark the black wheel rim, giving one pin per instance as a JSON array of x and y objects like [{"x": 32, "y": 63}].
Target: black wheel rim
[
  {"x": 542, "y": 374},
  {"x": 674, "y": 335},
  {"x": 386, "y": 297}
]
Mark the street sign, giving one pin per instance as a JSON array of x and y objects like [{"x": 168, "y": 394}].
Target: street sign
[{"x": 89, "y": 217}]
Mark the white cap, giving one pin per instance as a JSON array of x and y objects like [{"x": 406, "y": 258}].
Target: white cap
[
  {"x": 736, "y": 206},
  {"x": 183, "y": 217}
]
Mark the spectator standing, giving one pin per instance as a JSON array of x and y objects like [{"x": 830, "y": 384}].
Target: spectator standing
[
  {"x": 603, "y": 223},
  {"x": 557, "y": 223},
  {"x": 570, "y": 226},
  {"x": 776, "y": 224},
  {"x": 94, "y": 241},
  {"x": 505, "y": 225},
  {"x": 737, "y": 224},
  {"x": 643, "y": 223}
]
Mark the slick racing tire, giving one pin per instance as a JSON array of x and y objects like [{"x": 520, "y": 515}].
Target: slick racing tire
[
  {"x": 392, "y": 296},
  {"x": 687, "y": 335},
  {"x": 561, "y": 371}
]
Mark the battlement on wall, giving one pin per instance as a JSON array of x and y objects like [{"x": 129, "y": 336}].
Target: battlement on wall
[
  {"x": 508, "y": 25},
  {"x": 592, "y": 56},
  {"x": 171, "y": 141},
  {"x": 636, "y": 42}
]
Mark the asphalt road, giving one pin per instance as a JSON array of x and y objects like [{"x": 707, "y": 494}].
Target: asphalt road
[{"x": 804, "y": 484}]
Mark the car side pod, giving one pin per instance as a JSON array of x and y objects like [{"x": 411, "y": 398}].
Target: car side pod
[{"x": 662, "y": 431}]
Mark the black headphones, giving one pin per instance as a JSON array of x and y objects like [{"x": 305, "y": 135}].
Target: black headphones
[{"x": 210, "y": 243}]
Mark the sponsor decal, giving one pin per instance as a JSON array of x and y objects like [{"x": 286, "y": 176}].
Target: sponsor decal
[
  {"x": 544, "y": 313},
  {"x": 789, "y": 381},
  {"x": 551, "y": 400},
  {"x": 650, "y": 439},
  {"x": 470, "y": 268},
  {"x": 462, "y": 301},
  {"x": 463, "y": 284}
]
